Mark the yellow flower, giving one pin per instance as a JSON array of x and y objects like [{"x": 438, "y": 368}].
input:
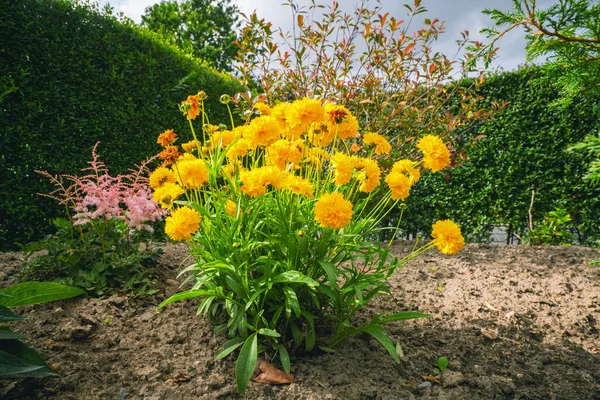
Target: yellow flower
[
  {"x": 282, "y": 152},
  {"x": 340, "y": 121},
  {"x": 344, "y": 167},
  {"x": 278, "y": 112},
  {"x": 161, "y": 176},
  {"x": 222, "y": 138},
  {"x": 270, "y": 175},
  {"x": 370, "y": 174},
  {"x": 239, "y": 148},
  {"x": 298, "y": 185},
  {"x": 262, "y": 131},
  {"x": 255, "y": 181},
  {"x": 167, "y": 194},
  {"x": 228, "y": 170},
  {"x": 435, "y": 153},
  {"x": 410, "y": 167},
  {"x": 302, "y": 113},
  {"x": 231, "y": 208},
  {"x": 382, "y": 146},
  {"x": 262, "y": 108},
  {"x": 182, "y": 223},
  {"x": 447, "y": 237},
  {"x": 333, "y": 211},
  {"x": 399, "y": 184},
  {"x": 166, "y": 138},
  {"x": 190, "y": 146},
  {"x": 186, "y": 157},
  {"x": 192, "y": 174}
]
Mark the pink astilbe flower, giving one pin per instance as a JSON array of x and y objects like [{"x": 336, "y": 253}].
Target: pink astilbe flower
[
  {"x": 98, "y": 195},
  {"x": 141, "y": 208}
]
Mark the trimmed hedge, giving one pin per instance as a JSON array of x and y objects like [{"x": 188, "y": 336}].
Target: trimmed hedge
[
  {"x": 525, "y": 148},
  {"x": 69, "y": 77}
]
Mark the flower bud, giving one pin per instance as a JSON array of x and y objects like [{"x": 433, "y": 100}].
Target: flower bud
[
  {"x": 202, "y": 95},
  {"x": 224, "y": 99}
]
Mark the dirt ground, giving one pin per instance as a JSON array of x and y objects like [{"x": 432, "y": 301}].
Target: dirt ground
[{"x": 515, "y": 323}]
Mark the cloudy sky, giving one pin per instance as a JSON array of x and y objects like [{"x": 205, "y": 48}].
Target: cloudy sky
[{"x": 459, "y": 15}]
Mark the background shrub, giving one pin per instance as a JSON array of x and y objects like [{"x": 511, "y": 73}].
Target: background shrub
[
  {"x": 525, "y": 148},
  {"x": 71, "y": 76}
]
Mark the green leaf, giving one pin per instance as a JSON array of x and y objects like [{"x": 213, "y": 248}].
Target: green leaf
[
  {"x": 7, "y": 315},
  {"x": 234, "y": 285},
  {"x": 17, "y": 359},
  {"x": 291, "y": 300},
  {"x": 188, "y": 294},
  {"x": 330, "y": 271},
  {"x": 246, "y": 362},
  {"x": 284, "y": 356},
  {"x": 311, "y": 337},
  {"x": 229, "y": 347},
  {"x": 442, "y": 363},
  {"x": 401, "y": 316},
  {"x": 6, "y": 333},
  {"x": 378, "y": 332},
  {"x": 399, "y": 350},
  {"x": 268, "y": 332},
  {"x": 295, "y": 277},
  {"x": 28, "y": 293},
  {"x": 252, "y": 299},
  {"x": 327, "y": 349},
  {"x": 296, "y": 333}
]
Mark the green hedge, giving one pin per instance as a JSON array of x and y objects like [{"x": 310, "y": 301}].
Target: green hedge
[
  {"x": 70, "y": 77},
  {"x": 525, "y": 148}
]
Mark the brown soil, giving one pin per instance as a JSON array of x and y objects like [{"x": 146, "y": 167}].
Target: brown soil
[{"x": 515, "y": 323}]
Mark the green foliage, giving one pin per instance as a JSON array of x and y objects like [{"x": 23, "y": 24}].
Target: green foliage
[
  {"x": 568, "y": 33},
  {"x": 69, "y": 77},
  {"x": 554, "y": 230},
  {"x": 591, "y": 145},
  {"x": 205, "y": 28},
  {"x": 523, "y": 148},
  {"x": 78, "y": 256},
  {"x": 16, "y": 358}
]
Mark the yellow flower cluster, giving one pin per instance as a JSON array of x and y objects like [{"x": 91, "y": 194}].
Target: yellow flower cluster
[{"x": 305, "y": 148}]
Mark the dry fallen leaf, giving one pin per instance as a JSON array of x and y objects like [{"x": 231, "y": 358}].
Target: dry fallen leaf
[
  {"x": 489, "y": 306},
  {"x": 181, "y": 377},
  {"x": 596, "y": 350},
  {"x": 432, "y": 379},
  {"x": 264, "y": 372}
]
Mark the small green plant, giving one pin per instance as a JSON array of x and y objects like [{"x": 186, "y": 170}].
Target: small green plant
[
  {"x": 99, "y": 246},
  {"x": 554, "y": 230},
  {"x": 442, "y": 365},
  {"x": 16, "y": 358}
]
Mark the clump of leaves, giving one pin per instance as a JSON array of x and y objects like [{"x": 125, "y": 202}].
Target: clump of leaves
[
  {"x": 16, "y": 358},
  {"x": 99, "y": 247},
  {"x": 554, "y": 230}
]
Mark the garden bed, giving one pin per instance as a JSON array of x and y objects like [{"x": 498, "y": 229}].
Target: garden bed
[{"x": 515, "y": 322}]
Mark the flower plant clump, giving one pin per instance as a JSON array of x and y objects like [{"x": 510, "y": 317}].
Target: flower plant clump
[
  {"x": 98, "y": 246},
  {"x": 277, "y": 213}
]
